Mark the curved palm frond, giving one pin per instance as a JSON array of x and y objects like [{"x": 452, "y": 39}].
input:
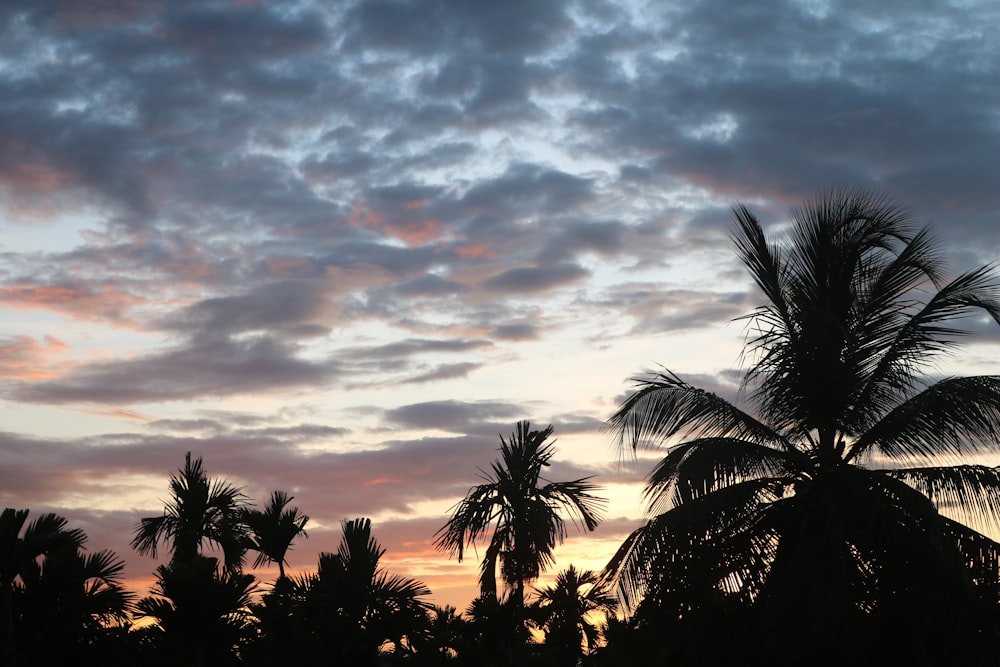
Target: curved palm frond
[
  {"x": 664, "y": 406},
  {"x": 709, "y": 536},
  {"x": 947, "y": 419},
  {"x": 902, "y": 344},
  {"x": 969, "y": 493},
  {"x": 704, "y": 465},
  {"x": 108, "y": 601},
  {"x": 982, "y": 557},
  {"x": 48, "y": 533}
]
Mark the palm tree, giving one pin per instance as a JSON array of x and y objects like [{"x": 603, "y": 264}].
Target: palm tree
[
  {"x": 19, "y": 553},
  {"x": 69, "y": 606},
  {"x": 201, "y": 611},
  {"x": 273, "y": 529},
  {"x": 199, "y": 510},
  {"x": 488, "y": 633},
  {"x": 355, "y": 609},
  {"x": 566, "y": 612},
  {"x": 521, "y": 509},
  {"x": 831, "y": 511},
  {"x": 446, "y": 640}
]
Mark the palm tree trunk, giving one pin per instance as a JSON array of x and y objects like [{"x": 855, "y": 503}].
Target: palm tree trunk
[
  {"x": 8, "y": 653},
  {"x": 520, "y": 632}
]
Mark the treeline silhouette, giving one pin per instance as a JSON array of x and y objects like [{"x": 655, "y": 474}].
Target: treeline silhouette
[
  {"x": 63, "y": 606},
  {"x": 837, "y": 515}
]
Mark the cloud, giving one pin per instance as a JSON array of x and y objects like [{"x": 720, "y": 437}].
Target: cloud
[
  {"x": 203, "y": 368},
  {"x": 23, "y": 357},
  {"x": 534, "y": 279},
  {"x": 455, "y": 416}
]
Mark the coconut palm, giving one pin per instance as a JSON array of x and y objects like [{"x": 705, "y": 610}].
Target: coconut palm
[
  {"x": 273, "y": 529},
  {"x": 568, "y": 610},
  {"x": 19, "y": 554},
  {"x": 522, "y": 511},
  {"x": 199, "y": 510},
  {"x": 842, "y": 506}
]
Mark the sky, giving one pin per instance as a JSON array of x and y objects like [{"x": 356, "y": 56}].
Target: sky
[{"x": 339, "y": 248}]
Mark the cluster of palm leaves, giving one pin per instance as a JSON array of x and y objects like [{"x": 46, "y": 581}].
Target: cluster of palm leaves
[{"x": 57, "y": 603}]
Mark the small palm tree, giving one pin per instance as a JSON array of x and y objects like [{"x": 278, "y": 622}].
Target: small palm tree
[
  {"x": 817, "y": 508},
  {"x": 19, "y": 554},
  {"x": 199, "y": 510},
  {"x": 67, "y": 604},
  {"x": 522, "y": 511},
  {"x": 201, "y": 611},
  {"x": 273, "y": 529},
  {"x": 567, "y": 612},
  {"x": 489, "y": 633},
  {"x": 354, "y": 608},
  {"x": 446, "y": 638}
]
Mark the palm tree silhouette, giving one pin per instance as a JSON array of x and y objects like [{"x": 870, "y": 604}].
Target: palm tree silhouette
[
  {"x": 566, "y": 611},
  {"x": 273, "y": 529},
  {"x": 821, "y": 511},
  {"x": 521, "y": 509},
  {"x": 354, "y": 608},
  {"x": 201, "y": 611},
  {"x": 67, "y": 604},
  {"x": 20, "y": 555},
  {"x": 199, "y": 510}
]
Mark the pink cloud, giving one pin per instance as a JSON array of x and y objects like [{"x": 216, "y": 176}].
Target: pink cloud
[
  {"x": 24, "y": 358},
  {"x": 412, "y": 232},
  {"x": 89, "y": 303}
]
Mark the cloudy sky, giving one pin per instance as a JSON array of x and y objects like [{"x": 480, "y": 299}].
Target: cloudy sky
[{"x": 336, "y": 248}]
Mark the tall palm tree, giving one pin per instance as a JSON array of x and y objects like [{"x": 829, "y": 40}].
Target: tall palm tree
[
  {"x": 522, "y": 511},
  {"x": 273, "y": 529},
  {"x": 829, "y": 506},
  {"x": 19, "y": 553},
  {"x": 199, "y": 510},
  {"x": 567, "y": 612}
]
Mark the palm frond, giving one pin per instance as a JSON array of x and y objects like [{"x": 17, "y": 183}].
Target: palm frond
[
  {"x": 764, "y": 261},
  {"x": 968, "y": 493},
  {"x": 665, "y": 406},
  {"x": 947, "y": 419},
  {"x": 982, "y": 558},
  {"x": 708, "y": 535},
  {"x": 575, "y": 496},
  {"x": 895, "y": 349},
  {"x": 702, "y": 466}
]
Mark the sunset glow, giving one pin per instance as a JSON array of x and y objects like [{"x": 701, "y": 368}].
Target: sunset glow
[{"x": 339, "y": 249}]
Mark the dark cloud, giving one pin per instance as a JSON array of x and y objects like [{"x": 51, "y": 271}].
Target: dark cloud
[
  {"x": 203, "y": 368},
  {"x": 530, "y": 188},
  {"x": 293, "y": 307},
  {"x": 534, "y": 279}
]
